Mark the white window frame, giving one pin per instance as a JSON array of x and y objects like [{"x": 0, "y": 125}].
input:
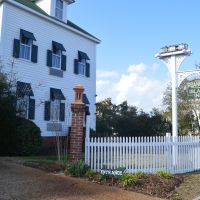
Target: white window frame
[
  {"x": 23, "y": 106},
  {"x": 59, "y": 9},
  {"x": 82, "y": 67},
  {"x": 56, "y": 59},
  {"x": 55, "y": 110},
  {"x": 25, "y": 48}
]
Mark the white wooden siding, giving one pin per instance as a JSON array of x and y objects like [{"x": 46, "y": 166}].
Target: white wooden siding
[{"x": 38, "y": 73}]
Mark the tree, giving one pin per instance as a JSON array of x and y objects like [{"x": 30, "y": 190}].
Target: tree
[
  {"x": 188, "y": 109},
  {"x": 105, "y": 115},
  {"x": 126, "y": 120},
  {"x": 18, "y": 136},
  {"x": 7, "y": 116}
]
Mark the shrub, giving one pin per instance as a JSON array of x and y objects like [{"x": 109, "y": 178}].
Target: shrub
[
  {"x": 164, "y": 174},
  {"x": 28, "y": 138},
  {"x": 77, "y": 168},
  {"x": 140, "y": 174},
  {"x": 7, "y": 127},
  {"x": 128, "y": 179},
  {"x": 99, "y": 177},
  {"x": 90, "y": 173}
]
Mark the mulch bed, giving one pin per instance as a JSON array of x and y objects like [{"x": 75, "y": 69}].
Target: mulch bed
[{"x": 150, "y": 184}]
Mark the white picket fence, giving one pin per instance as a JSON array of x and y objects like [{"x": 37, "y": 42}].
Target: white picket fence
[{"x": 147, "y": 154}]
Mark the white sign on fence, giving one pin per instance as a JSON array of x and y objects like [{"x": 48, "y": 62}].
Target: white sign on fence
[{"x": 112, "y": 172}]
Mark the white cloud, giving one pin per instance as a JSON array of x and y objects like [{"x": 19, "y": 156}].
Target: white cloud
[
  {"x": 133, "y": 86},
  {"x": 140, "y": 68},
  {"x": 106, "y": 74},
  {"x": 105, "y": 89}
]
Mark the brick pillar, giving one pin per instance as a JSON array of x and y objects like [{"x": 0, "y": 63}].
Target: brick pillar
[{"x": 76, "y": 135}]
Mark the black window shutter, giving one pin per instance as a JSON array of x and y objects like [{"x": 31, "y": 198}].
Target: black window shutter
[
  {"x": 47, "y": 109},
  {"x": 16, "y": 48},
  {"x": 62, "y": 112},
  {"x": 87, "y": 70},
  {"x": 31, "y": 113},
  {"x": 87, "y": 110},
  {"x": 63, "y": 62},
  {"x": 75, "y": 66},
  {"x": 34, "y": 53},
  {"x": 49, "y": 58}
]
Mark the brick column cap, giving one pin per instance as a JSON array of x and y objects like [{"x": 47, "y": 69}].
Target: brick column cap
[{"x": 78, "y": 89}]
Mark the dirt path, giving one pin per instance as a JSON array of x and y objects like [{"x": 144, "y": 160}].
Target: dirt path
[
  {"x": 190, "y": 189},
  {"x": 18, "y": 182}
]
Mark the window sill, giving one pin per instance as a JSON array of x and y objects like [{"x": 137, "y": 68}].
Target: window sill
[
  {"x": 55, "y": 72},
  {"x": 54, "y": 126},
  {"x": 82, "y": 76},
  {"x": 25, "y": 60}
]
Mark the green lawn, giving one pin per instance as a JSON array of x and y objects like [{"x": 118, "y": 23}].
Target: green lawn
[{"x": 47, "y": 163}]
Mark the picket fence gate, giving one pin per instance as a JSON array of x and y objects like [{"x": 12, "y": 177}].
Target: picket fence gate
[{"x": 146, "y": 154}]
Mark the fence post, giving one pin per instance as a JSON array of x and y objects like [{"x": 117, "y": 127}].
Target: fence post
[
  {"x": 174, "y": 152},
  {"x": 87, "y": 147},
  {"x": 169, "y": 158}
]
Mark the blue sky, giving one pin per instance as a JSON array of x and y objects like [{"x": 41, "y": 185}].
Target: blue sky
[{"x": 132, "y": 32}]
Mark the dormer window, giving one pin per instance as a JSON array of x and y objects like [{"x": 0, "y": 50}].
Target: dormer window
[
  {"x": 54, "y": 8},
  {"x": 59, "y": 9}
]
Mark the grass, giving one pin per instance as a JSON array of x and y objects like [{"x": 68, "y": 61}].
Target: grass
[
  {"x": 42, "y": 159},
  {"x": 48, "y": 163},
  {"x": 189, "y": 189}
]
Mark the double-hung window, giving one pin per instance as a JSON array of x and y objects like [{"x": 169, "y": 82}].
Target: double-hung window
[
  {"x": 25, "y": 104},
  {"x": 55, "y": 110},
  {"x": 25, "y": 47},
  {"x": 56, "y": 60},
  {"x": 56, "y": 57},
  {"x": 82, "y": 67},
  {"x": 59, "y": 9}
]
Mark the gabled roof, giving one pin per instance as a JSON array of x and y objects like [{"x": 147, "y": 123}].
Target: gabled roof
[{"x": 31, "y": 4}]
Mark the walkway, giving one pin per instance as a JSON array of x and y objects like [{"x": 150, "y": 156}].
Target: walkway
[{"x": 18, "y": 182}]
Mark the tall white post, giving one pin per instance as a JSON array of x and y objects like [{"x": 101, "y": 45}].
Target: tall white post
[
  {"x": 173, "y": 56},
  {"x": 174, "y": 97}
]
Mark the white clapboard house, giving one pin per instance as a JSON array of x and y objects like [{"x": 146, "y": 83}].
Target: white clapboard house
[{"x": 49, "y": 55}]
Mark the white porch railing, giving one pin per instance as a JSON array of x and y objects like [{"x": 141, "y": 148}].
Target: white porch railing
[{"x": 146, "y": 154}]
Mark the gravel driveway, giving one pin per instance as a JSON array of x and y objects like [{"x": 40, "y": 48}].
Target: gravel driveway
[{"x": 18, "y": 182}]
